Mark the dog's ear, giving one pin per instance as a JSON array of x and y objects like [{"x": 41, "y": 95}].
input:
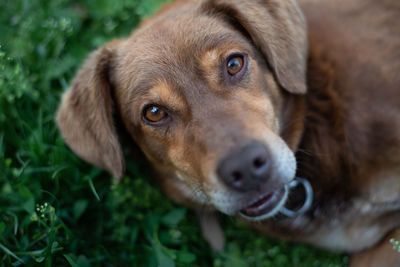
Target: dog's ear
[
  {"x": 277, "y": 28},
  {"x": 85, "y": 116}
]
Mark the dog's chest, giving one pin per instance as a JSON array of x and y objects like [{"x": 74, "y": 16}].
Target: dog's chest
[
  {"x": 355, "y": 225},
  {"x": 359, "y": 228},
  {"x": 369, "y": 217},
  {"x": 357, "y": 231},
  {"x": 385, "y": 188}
]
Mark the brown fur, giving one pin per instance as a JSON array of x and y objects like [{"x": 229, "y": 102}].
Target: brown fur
[
  {"x": 381, "y": 255},
  {"x": 337, "y": 107}
]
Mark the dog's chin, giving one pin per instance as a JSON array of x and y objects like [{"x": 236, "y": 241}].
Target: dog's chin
[{"x": 265, "y": 206}]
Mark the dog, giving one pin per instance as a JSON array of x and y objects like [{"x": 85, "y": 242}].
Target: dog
[{"x": 284, "y": 114}]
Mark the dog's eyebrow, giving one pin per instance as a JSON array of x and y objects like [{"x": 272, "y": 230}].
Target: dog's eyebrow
[
  {"x": 159, "y": 90},
  {"x": 216, "y": 41},
  {"x": 151, "y": 77},
  {"x": 140, "y": 90},
  {"x": 163, "y": 92}
]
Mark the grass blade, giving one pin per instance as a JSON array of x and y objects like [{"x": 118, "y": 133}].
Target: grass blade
[
  {"x": 93, "y": 190},
  {"x": 70, "y": 261},
  {"x": 9, "y": 252}
]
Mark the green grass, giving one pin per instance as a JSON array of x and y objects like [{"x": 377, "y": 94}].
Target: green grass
[{"x": 56, "y": 210}]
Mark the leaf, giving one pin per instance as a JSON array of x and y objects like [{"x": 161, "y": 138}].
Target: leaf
[
  {"x": 83, "y": 261},
  {"x": 163, "y": 259},
  {"x": 25, "y": 192},
  {"x": 6, "y": 189},
  {"x": 146, "y": 8},
  {"x": 40, "y": 259},
  {"x": 134, "y": 235},
  {"x": 29, "y": 205},
  {"x": 150, "y": 226},
  {"x": 186, "y": 257},
  {"x": 171, "y": 237},
  {"x": 79, "y": 208},
  {"x": 174, "y": 217}
]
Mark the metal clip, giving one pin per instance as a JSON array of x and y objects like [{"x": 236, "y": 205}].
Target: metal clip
[{"x": 308, "y": 197}]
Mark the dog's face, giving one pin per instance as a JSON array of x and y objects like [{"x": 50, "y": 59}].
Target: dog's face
[{"x": 200, "y": 88}]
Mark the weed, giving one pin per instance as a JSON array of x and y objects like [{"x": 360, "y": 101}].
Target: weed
[{"x": 395, "y": 243}]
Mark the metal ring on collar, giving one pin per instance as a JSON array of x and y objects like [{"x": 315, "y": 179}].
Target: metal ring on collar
[{"x": 308, "y": 199}]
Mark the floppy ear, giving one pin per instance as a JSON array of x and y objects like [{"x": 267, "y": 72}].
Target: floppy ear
[
  {"x": 278, "y": 30},
  {"x": 85, "y": 116}
]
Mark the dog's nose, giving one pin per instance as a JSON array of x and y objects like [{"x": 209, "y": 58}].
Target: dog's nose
[{"x": 246, "y": 167}]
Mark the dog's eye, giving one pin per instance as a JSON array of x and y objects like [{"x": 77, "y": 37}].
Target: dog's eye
[
  {"x": 154, "y": 114},
  {"x": 234, "y": 64}
]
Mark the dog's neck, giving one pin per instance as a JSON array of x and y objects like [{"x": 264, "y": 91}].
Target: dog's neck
[{"x": 315, "y": 130}]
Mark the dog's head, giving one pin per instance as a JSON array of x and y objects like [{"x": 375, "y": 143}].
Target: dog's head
[{"x": 202, "y": 88}]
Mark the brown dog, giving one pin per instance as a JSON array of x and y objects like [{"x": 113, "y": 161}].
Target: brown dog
[{"x": 230, "y": 100}]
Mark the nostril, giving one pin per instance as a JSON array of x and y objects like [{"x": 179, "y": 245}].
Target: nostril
[
  {"x": 259, "y": 162},
  {"x": 237, "y": 176},
  {"x": 246, "y": 167}
]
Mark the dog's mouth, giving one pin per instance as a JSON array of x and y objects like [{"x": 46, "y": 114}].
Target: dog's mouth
[
  {"x": 266, "y": 207},
  {"x": 272, "y": 203}
]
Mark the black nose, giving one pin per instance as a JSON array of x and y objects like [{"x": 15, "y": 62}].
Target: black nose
[{"x": 245, "y": 168}]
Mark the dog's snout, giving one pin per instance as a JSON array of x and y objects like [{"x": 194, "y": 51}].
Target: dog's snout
[{"x": 246, "y": 167}]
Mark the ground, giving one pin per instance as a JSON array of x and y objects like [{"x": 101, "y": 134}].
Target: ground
[{"x": 56, "y": 210}]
